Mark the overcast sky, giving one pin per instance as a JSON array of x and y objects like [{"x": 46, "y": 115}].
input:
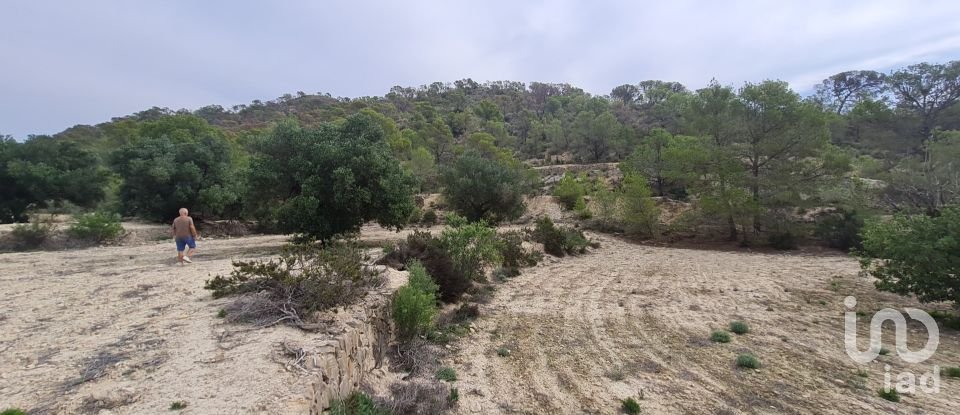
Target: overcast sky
[{"x": 83, "y": 62}]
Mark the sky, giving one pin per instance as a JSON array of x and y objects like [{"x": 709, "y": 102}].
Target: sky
[{"x": 64, "y": 63}]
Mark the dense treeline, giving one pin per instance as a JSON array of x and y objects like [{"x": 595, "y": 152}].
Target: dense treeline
[{"x": 744, "y": 153}]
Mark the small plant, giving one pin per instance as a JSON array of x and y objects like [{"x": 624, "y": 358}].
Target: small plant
[
  {"x": 748, "y": 361},
  {"x": 739, "y": 327},
  {"x": 840, "y": 230},
  {"x": 415, "y": 303},
  {"x": 952, "y": 372},
  {"x": 503, "y": 352},
  {"x": 222, "y": 313},
  {"x": 447, "y": 374},
  {"x": 97, "y": 226},
  {"x": 13, "y": 411},
  {"x": 631, "y": 406},
  {"x": 557, "y": 240},
  {"x": 429, "y": 217},
  {"x": 720, "y": 336},
  {"x": 358, "y": 403},
  {"x": 569, "y": 191},
  {"x": 862, "y": 373},
  {"x": 178, "y": 406},
  {"x": 884, "y": 351},
  {"x": 454, "y": 395},
  {"x": 889, "y": 394},
  {"x": 32, "y": 235}
]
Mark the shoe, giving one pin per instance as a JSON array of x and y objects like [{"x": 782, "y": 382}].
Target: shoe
[{"x": 187, "y": 260}]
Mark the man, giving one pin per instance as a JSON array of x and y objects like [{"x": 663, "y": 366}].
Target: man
[{"x": 185, "y": 235}]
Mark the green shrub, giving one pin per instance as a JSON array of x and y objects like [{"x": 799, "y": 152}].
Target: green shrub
[
  {"x": 739, "y": 327},
  {"x": 416, "y": 216},
  {"x": 358, "y": 403},
  {"x": 178, "y": 406},
  {"x": 582, "y": 211},
  {"x": 13, "y": 411},
  {"x": 720, "y": 336},
  {"x": 447, "y": 374},
  {"x": 782, "y": 240},
  {"x": 889, "y": 394},
  {"x": 97, "y": 226},
  {"x": 429, "y": 217},
  {"x": 484, "y": 188},
  {"x": 454, "y": 396},
  {"x": 305, "y": 279},
  {"x": 915, "y": 255},
  {"x": 569, "y": 191},
  {"x": 884, "y": 351},
  {"x": 641, "y": 216},
  {"x": 32, "y": 235},
  {"x": 946, "y": 319},
  {"x": 952, "y": 372},
  {"x": 503, "y": 352},
  {"x": 513, "y": 255},
  {"x": 415, "y": 303},
  {"x": 840, "y": 230},
  {"x": 559, "y": 241},
  {"x": 749, "y": 361},
  {"x": 631, "y": 406}
]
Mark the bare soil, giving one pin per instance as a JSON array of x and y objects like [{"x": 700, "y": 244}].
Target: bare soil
[{"x": 628, "y": 320}]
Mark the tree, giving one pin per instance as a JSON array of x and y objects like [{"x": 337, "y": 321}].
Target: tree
[
  {"x": 44, "y": 171},
  {"x": 926, "y": 90},
  {"x": 626, "y": 94},
  {"x": 328, "y": 181},
  {"x": 486, "y": 188},
  {"x": 915, "y": 255},
  {"x": 161, "y": 175},
  {"x": 785, "y": 145},
  {"x": 640, "y": 214},
  {"x": 839, "y": 93},
  {"x": 929, "y": 182}
]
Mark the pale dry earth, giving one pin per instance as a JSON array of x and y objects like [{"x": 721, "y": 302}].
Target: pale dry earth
[
  {"x": 125, "y": 330},
  {"x": 628, "y": 320}
]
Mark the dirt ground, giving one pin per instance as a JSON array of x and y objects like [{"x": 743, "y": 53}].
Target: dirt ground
[
  {"x": 123, "y": 330},
  {"x": 626, "y": 320}
]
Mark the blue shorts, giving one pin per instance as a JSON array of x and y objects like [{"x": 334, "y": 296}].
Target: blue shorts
[{"x": 182, "y": 243}]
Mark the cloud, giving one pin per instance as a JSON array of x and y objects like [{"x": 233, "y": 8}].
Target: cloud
[{"x": 66, "y": 63}]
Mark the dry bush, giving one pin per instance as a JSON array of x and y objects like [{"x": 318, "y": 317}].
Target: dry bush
[
  {"x": 420, "y": 397},
  {"x": 305, "y": 279}
]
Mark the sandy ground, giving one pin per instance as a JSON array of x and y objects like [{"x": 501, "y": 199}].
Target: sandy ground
[
  {"x": 634, "y": 321},
  {"x": 124, "y": 330}
]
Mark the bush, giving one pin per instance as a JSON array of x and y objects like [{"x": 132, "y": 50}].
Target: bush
[
  {"x": 569, "y": 191},
  {"x": 640, "y": 214},
  {"x": 415, "y": 217},
  {"x": 739, "y": 327},
  {"x": 429, "y": 217},
  {"x": 952, "y": 372},
  {"x": 419, "y": 397},
  {"x": 415, "y": 303},
  {"x": 13, "y": 411},
  {"x": 559, "y": 241},
  {"x": 305, "y": 279},
  {"x": 915, "y": 255},
  {"x": 455, "y": 259},
  {"x": 486, "y": 189},
  {"x": 720, "y": 336},
  {"x": 748, "y": 361},
  {"x": 97, "y": 226},
  {"x": 631, "y": 406},
  {"x": 358, "y": 403},
  {"x": 513, "y": 255},
  {"x": 782, "y": 240},
  {"x": 840, "y": 230},
  {"x": 178, "y": 406},
  {"x": 32, "y": 235},
  {"x": 889, "y": 394}
]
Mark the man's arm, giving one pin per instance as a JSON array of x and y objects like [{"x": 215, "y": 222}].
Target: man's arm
[{"x": 193, "y": 230}]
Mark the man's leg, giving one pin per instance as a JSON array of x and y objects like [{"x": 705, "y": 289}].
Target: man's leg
[
  {"x": 192, "y": 247},
  {"x": 180, "y": 247}
]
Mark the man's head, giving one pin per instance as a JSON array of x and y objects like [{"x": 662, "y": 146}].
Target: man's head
[{"x": 184, "y": 212}]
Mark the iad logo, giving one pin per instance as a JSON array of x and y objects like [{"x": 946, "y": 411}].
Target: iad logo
[{"x": 906, "y": 381}]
